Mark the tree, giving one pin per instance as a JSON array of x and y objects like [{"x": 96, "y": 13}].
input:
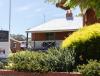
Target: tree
[{"x": 92, "y": 8}]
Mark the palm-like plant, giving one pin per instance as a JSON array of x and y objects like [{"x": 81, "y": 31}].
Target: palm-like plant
[{"x": 83, "y": 4}]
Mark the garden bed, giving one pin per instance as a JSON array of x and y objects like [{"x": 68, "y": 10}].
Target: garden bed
[{"x": 15, "y": 73}]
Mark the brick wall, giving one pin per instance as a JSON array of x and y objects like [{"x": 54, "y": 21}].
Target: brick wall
[
  {"x": 62, "y": 35},
  {"x": 38, "y": 36},
  {"x": 42, "y": 36},
  {"x": 15, "y": 73}
]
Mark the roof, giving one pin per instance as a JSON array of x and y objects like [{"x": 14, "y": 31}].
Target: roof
[
  {"x": 58, "y": 25},
  {"x": 14, "y": 40}
]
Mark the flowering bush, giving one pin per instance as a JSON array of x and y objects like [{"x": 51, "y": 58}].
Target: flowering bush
[{"x": 86, "y": 43}]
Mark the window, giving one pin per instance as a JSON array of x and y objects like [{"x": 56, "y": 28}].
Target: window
[
  {"x": 50, "y": 36},
  {"x": 48, "y": 44},
  {"x": 2, "y": 51},
  {"x": 13, "y": 45},
  {"x": 4, "y": 36}
]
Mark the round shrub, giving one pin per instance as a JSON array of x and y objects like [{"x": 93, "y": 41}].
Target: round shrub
[
  {"x": 27, "y": 61},
  {"x": 90, "y": 69},
  {"x": 86, "y": 43}
]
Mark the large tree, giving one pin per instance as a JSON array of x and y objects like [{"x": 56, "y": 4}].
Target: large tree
[{"x": 90, "y": 9}]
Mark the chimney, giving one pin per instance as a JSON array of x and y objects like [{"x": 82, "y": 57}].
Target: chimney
[{"x": 69, "y": 15}]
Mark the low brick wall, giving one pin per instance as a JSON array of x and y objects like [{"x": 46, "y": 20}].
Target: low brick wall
[{"x": 15, "y": 73}]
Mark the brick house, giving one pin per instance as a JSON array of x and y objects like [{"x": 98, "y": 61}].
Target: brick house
[
  {"x": 53, "y": 32},
  {"x": 14, "y": 45}
]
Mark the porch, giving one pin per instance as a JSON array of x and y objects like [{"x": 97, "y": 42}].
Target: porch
[
  {"x": 45, "y": 40},
  {"x": 44, "y": 45},
  {"x": 51, "y": 33}
]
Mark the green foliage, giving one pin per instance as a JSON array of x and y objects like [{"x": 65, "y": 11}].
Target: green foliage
[
  {"x": 95, "y": 4},
  {"x": 54, "y": 1},
  {"x": 67, "y": 59},
  {"x": 3, "y": 62},
  {"x": 52, "y": 60},
  {"x": 86, "y": 42},
  {"x": 1, "y": 65},
  {"x": 84, "y": 4},
  {"x": 90, "y": 69},
  {"x": 27, "y": 61},
  {"x": 61, "y": 59}
]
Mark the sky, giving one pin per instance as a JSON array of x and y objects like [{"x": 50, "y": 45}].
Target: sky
[{"x": 26, "y": 14}]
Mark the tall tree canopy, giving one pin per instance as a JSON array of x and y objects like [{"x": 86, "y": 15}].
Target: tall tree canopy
[{"x": 83, "y": 4}]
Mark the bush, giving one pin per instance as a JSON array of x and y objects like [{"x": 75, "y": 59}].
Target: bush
[
  {"x": 61, "y": 60},
  {"x": 27, "y": 61},
  {"x": 1, "y": 65},
  {"x": 86, "y": 43},
  {"x": 52, "y": 60},
  {"x": 90, "y": 69},
  {"x": 3, "y": 62}
]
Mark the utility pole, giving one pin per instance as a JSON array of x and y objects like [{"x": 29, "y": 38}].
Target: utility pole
[
  {"x": 9, "y": 23},
  {"x": 9, "y": 16}
]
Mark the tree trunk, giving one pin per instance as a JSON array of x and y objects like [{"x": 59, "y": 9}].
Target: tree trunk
[{"x": 89, "y": 17}]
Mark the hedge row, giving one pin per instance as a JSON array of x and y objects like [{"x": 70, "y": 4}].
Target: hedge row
[{"x": 53, "y": 60}]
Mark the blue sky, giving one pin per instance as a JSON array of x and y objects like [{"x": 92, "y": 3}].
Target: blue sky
[{"x": 28, "y": 13}]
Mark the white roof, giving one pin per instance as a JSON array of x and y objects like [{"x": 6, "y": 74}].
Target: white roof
[{"x": 58, "y": 25}]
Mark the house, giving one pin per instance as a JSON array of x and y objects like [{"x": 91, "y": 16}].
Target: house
[
  {"x": 23, "y": 45},
  {"x": 15, "y": 45},
  {"x": 53, "y": 32}
]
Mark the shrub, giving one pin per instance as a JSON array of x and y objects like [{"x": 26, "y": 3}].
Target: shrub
[
  {"x": 61, "y": 60},
  {"x": 1, "y": 65},
  {"x": 86, "y": 43},
  {"x": 3, "y": 62},
  {"x": 27, "y": 61},
  {"x": 90, "y": 69},
  {"x": 52, "y": 60}
]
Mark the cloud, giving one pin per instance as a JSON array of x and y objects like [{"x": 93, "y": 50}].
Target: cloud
[
  {"x": 38, "y": 10},
  {"x": 30, "y": 16},
  {"x": 1, "y": 4},
  {"x": 35, "y": 13},
  {"x": 24, "y": 8},
  {"x": 59, "y": 14}
]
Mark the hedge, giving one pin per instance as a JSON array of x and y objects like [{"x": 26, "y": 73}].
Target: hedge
[
  {"x": 27, "y": 61},
  {"x": 86, "y": 43},
  {"x": 53, "y": 60},
  {"x": 90, "y": 69}
]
